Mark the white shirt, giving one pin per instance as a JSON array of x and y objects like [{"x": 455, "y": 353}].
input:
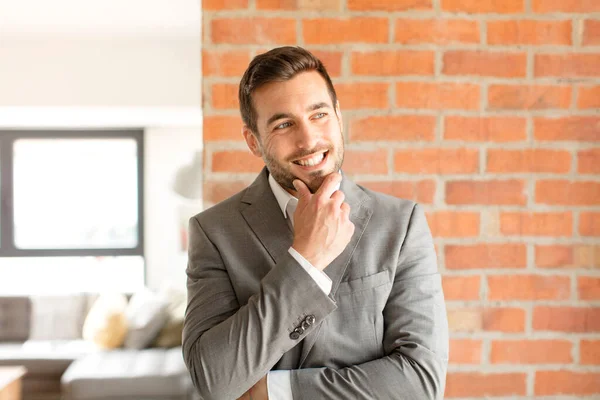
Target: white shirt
[{"x": 279, "y": 385}]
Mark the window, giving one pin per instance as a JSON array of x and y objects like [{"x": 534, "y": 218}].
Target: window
[
  {"x": 71, "y": 193},
  {"x": 71, "y": 204}
]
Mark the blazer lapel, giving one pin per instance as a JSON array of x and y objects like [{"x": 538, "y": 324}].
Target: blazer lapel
[
  {"x": 265, "y": 218},
  {"x": 360, "y": 214}
]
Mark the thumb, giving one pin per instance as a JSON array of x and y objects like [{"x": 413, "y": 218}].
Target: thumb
[{"x": 301, "y": 188}]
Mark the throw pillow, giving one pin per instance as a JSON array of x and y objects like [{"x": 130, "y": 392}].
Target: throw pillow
[
  {"x": 170, "y": 334},
  {"x": 106, "y": 324},
  {"x": 146, "y": 314}
]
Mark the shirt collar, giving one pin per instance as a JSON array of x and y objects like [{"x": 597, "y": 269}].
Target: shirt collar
[{"x": 282, "y": 196}]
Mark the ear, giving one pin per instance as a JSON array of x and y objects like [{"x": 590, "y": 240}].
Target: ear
[{"x": 252, "y": 141}]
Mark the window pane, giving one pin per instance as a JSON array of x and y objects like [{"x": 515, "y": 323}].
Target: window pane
[{"x": 75, "y": 193}]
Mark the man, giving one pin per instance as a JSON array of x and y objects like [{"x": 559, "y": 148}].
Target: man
[{"x": 306, "y": 285}]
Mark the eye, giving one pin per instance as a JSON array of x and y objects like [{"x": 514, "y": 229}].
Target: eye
[
  {"x": 283, "y": 125},
  {"x": 319, "y": 115}
]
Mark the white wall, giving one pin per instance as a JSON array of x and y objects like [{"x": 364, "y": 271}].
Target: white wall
[
  {"x": 99, "y": 71},
  {"x": 71, "y": 82},
  {"x": 167, "y": 150}
]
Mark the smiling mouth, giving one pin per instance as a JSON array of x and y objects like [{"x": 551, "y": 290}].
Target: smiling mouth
[{"x": 312, "y": 161}]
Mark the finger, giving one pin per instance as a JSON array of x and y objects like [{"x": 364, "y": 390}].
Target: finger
[
  {"x": 345, "y": 207},
  {"x": 329, "y": 185},
  {"x": 302, "y": 189},
  {"x": 338, "y": 198}
]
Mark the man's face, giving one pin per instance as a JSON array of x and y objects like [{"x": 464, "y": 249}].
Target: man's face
[{"x": 299, "y": 130}]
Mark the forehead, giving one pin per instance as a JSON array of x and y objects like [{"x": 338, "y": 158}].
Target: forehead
[{"x": 292, "y": 96}]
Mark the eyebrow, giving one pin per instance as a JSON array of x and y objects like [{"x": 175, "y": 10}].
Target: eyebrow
[{"x": 312, "y": 107}]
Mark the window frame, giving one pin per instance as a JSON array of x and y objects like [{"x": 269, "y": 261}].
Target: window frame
[{"x": 7, "y": 140}]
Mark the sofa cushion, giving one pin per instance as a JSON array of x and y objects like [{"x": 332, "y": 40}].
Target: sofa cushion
[
  {"x": 152, "y": 373},
  {"x": 15, "y": 314},
  {"x": 49, "y": 358},
  {"x": 57, "y": 317}
]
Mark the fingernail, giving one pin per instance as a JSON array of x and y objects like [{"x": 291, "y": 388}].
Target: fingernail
[{"x": 294, "y": 184}]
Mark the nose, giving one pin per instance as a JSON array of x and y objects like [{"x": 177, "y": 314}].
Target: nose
[{"x": 307, "y": 136}]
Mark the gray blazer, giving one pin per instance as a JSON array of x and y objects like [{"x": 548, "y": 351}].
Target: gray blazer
[{"x": 382, "y": 333}]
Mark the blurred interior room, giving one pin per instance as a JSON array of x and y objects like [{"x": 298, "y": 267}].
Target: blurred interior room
[{"x": 101, "y": 148}]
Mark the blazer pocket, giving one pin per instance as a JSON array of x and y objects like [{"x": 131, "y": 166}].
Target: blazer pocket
[{"x": 364, "y": 283}]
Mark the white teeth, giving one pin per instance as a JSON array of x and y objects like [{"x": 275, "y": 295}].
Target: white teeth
[{"x": 311, "y": 162}]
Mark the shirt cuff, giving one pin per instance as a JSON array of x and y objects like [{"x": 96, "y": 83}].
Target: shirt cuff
[
  {"x": 319, "y": 277},
  {"x": 279, "y": 385}
]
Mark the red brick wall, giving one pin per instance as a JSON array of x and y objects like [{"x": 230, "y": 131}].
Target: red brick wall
[{"x": 487, "y": 113}]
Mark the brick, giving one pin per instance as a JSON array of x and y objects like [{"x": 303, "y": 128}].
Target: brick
[
  {"x": 528, "y": 97},
  {"x": 567, "y": 128},
  {"x": 485, "y": 129},
  {"x": 218, "y": 5},
  {"x": 508, "y": 320},
  {"x": 437, "y": 161},
  {"x": 589, "y": 352},
  {"x": 465, "y": 351},
  {"x": 589, "y": 223},
  {"x": 588, "y": 161},
  {"x": 530, "y": 32},
  {"x": 484, "y": 6},
  {"x": 528, "y": 161},
  {"x": 222, "y": 127},
  {"x": 588, "y": 288},
  {"x": 563, "y": 192},
  {"x": 349, "y": 30},
  {"x": 236, "y": 161},
  {"x": 484, "y": 63},
  {"x": 454, "y": 223},
  {"x": 528, "y": 287},
  {"x": 475, "y": 384},
  {"x": 531, "y": 352},
  {"x": 437, "y": 96},
  {"x": 422, "y": 191},
  {"x": 362, "y": 95},
  {"x": 569, "y": 6},
  {"x": 463, "y": 288},
  {"x": 392, "y": 63},
  {"x": 389, "y": 5},
  {"x": 536, "y": 223},
  {"x": 366, "y": 162},
  {"x": 224, "y": 63},
  {"x": 393, "y": 128},
  {"x": 216, "y": 191},
  {"x": 225, "y": 96},
  {"x": 567, "y": 256},
  {"x": 566, "y": 319},
  {"x": 465, "y": 319},
  {"x": 591, "y": 32},
  {"x": 549, "y": 383},
  {"x": 299, "y": 5},
  {"x": 436, "y": 31},
  {"x": 486, "y": 256},
  {"x": 491, "y": 192},
  {"x": 253, "y": 30},
  {"x": 567, "y": 65},
  {"x": 589, "y": 97},
  {"x": 331, "y": 59}
]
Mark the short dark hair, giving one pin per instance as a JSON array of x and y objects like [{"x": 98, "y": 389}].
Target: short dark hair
[{"x": 277, "y": 65}]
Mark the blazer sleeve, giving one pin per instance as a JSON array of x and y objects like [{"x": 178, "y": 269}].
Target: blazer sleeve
[
  {"x": 415, "y": 337},
  {"x": 227, "y": 347}
]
